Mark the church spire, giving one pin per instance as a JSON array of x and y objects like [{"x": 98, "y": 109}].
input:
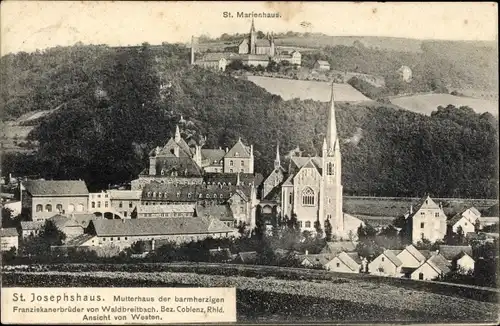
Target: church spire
[
  {"x": 331, "y": 133},
  {"x": 177, "y": 134},
  {"x": 277, "y": 160},
  {"x": 252, "y": 28}
]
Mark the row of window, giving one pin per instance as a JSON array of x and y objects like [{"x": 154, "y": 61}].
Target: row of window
[
  {"x": 307, "y": 224},
  {"x": 190, "y": 195},
  {"x": 231, "y": 163},
  {"x": 130, "y": 205},
  {"x": 171, "y": 214},
  {"x": 241, "y": 171},
  {"x": 435, "y": 214},
  {"x": 59, "y": 208},
  {"x": 112, "y": 238},
  {"x": 93, "y": 204},
  {"x": 99, "y": 195}
]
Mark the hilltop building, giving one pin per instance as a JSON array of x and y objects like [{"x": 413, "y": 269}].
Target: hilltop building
[
  {"x": 251, "y": 50},
  {"x": 405, "y": 73},
  {"x": 312, "y": 188}
]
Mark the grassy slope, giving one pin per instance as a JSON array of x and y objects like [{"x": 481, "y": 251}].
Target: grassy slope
[{"x": 269, "y": 299}]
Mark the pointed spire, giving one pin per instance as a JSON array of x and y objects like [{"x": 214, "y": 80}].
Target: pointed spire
[
  {"x": 177, "y": 134},
  {"x": 277, "y": 160},
  {"x": 331, "y": 132},
  {"x": 252, "y": 28}
]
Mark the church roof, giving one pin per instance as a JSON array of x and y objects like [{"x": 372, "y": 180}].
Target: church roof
[
  {"x": 300, "y": 161},
  {"x": 262, "y": 42},
  {"x": 184, "y": 149},
  {"x": 238, "y": 150}
]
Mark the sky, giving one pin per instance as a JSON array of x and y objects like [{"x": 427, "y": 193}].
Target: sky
[{"x": 31, "y": 25}]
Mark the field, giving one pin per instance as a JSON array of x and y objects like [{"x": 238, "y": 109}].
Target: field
[
  {"x": 303, "y": 89},
  {"x": 270, "y": 299},
  {"x": 381, "y": 210},
  {"x": 427, "y": 103}
]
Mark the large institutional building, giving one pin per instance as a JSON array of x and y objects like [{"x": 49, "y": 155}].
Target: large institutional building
[
  {"x": 311, "y": 187},
  {"x": 252, "y": 51}
]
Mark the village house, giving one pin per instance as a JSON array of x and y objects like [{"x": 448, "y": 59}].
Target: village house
[
  {"x": 42, "y": 199},
  {"x": 459, "y": 257},
  {"x": 31, "y": 228},
  {"x": 386, "y": 264},
  {"x": 428, "y": 221},
  {"x": 466, "y": 219},
  {"x": 345, "y": 262},
  {"x": 8, "y": 238},
  {"x": 321, "y": 65},
  {"x": 123, "y": 233},
  {"x": 434, "y": 267},
  {"x": 411, "y": 258},
  {"x": 336, "y": 247},
  {"x": 314, "y": 260},
  {"x": 222, "y": 212}
]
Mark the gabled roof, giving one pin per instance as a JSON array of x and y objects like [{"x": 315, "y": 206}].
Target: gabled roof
[
  {"x": 222, "y": 212},
  {"x": 78, "y": 240},
  {"x": 350, "y": 259},
  {"x": 56, "y": 187},
  {"x": 450, "y": 252},
  {"x": 439, "y": 263},
  {"x": 425, "y": 202},
  {"x": 337, "y": 247},
  {"x": 317, "y": 259},
  {"x": 457, "y": 217},
  {"x": 247, "y": 256},
  {"x": 239, "y": 150},
  {"x": 8, "y": 232},
  {"x": 323, "y": 62},
  {"x": 415, "y": 253},
  {"x": 62, "y": 221},
  {"x": 262, "y": 42},
  {"x": 212, "y": 155},
  {"x": 32, "y": 225},
  {"x": 183, "y": 166},
  {"x": 182, "y": 208},
  {"x": 288, "y": 181},
  {"x": 159, "y": 226},
  {"x": 300, "y": 161},
  {"x": 391, "y": 255}
]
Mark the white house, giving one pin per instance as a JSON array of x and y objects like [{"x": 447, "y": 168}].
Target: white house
[
  {"x": 411, "y": 257},
  {"x": 345, "y": 262},
  {"x": 321, "y": 65},
  {"x": 428, "y": 221},
  {"x": 386, "y": 264},
  {"x": 465, "y": 219},
  {"x": 433, "y": 268},
  {"x": 9, "y": 238},
  {"x": 460, "y": 257},
  {"x": 31, "y": 228}
]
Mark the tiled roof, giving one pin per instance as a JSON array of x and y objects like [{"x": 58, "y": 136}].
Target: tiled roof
[
  {"x": 181, "y": 166},
  {"x": 350, "y": 259},
  {"x": 239, "y": 150},
  {"x": 317, "y": 259},
  {"x": 8, "y": 232},
  {"x": 289, "y": 181},
  {"x": 83, "y": 219},
  {"x": 450, "y": 252},
  {"x": 125, "y": 194},
  {"x": 184, "y": 149},
  {"x": 491, "y": 211},
  {"x": 337, "y": 247},
  {"x": 56, "y": 188},
  {"x": 415, "y": 253},
  {"x": 159, "y": 226},
  {"x": 183, "y": 208},
  {"x": 61, "y": 221},
  {"x": 212, "y": 155},
  {"x": 78, "y": 240},
  {"x": 457, "y": 217},
  {"x": 222, "y": 212},
  {"x": 255, "y": 57},
  {"x": 425, "y": 202},
  {"x": 32, "y": 225},
  {"x": 390, "y": 254},
  {"x": 323, "y": 62},
  {"x": 300, "y": 161},
  {"x": 439, "y": 263},
  {"x": 216, "y": 178}
]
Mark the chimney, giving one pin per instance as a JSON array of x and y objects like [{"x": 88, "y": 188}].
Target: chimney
[
  {"x": 152, "y": 245},
  {"x": 411, "y": 209},
  {"x": 307, "y": 252},
  {"x": 227, "y": 150}
]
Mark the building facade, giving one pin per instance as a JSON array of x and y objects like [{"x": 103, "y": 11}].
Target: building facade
[
  {"x": 428, "y": 221},
  {"x": 43, "y": 199}
]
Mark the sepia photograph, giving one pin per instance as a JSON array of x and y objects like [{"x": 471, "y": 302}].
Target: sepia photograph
[{"x": 249, "y": 162}]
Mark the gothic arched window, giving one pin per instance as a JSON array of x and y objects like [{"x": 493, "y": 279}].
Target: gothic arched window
[
  {"x": 308, "y": 197},
  {"x": 39, "y": 208},
  {"x": 330, "y": 168}
]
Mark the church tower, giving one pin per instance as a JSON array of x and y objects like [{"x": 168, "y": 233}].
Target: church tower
[
  {"x": 277, "y": 160},
  {"x": 253, "y": 38},
  {"x": 331, "y": 186}
]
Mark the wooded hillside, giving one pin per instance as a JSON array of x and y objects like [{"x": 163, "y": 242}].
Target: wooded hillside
[{"x": 120, "y": 103}]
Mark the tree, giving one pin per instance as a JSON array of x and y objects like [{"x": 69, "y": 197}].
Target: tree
[
  {"x": 460, "y": 236},
  {"x": 477, "y": 226},
  {"x": 319, "y": 230},
  {"x": 328, "y": 230}
]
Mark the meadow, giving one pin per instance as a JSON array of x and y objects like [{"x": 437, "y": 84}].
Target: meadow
[
  {"x": 304, "y": 89},
  {"x": 269, "y": 299},
  {"x": 426, "y": 103}
]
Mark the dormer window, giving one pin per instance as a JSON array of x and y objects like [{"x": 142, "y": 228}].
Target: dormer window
[
  {"x": 178, "y": 194},
  {"x": 236, "y": 154},
  {"x": 149, "y": 193},
  {"x": 221, "y": 196},
  {"x": 159, "y": 195},
  {"x": 189, "y": 195}
]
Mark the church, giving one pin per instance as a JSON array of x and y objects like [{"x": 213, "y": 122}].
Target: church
[{"x": 311, "y": 187}]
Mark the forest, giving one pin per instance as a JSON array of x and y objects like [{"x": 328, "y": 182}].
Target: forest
[{"x": 122, "y": 102}]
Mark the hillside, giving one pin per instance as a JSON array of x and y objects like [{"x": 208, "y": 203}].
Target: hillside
[{"x": 104, "y": 136}]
